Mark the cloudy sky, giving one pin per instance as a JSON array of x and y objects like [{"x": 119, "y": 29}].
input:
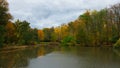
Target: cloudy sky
[{"x": 48, "y": 13}]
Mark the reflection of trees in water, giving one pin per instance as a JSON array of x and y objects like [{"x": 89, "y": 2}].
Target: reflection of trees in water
[
  {"x": 44, "y": 50},
  {"x": 95, "y": 57},
  {"x": 92, "y": 55},
  {"x": 102, "y": 55},
  {"x": 117, "y": 51},
  {"x": 21, "y": 58}
]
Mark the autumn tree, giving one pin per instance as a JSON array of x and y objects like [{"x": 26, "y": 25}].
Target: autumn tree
[
  {"x": 41, "y": 35},
  {"x": 10, "y": 33}
]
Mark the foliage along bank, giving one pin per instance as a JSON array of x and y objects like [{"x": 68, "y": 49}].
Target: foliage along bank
[
  {"x": 92, "y": 28},
  {"x": 18, "y": 32}
]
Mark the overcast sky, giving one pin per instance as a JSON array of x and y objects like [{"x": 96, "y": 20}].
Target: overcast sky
[{"x": 48, "y": 13}]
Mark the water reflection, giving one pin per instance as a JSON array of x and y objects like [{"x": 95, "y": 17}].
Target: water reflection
[
  {"x": 64, "y": 57},
  {"x": 117, "y": 51},
  {"x": 21, "y": 58}
]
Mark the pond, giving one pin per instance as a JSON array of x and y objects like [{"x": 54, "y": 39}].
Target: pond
[{"x": 61, "y": 57}]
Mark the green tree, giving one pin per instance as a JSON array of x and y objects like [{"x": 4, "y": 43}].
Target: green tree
[
  {"x": 4, "y": 18},
  {"x": 47, "y": 34},
  {"x": 22, "y": 28}
]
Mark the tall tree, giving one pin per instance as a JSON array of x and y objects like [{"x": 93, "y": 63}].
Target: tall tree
[
  {"x": 41, "y": 35},
  {"x": 10, "y": 33},
  {"x": 4, "y": 18}
]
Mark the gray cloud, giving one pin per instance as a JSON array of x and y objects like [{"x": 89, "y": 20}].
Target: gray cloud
[{"x": 48, "y": 13}]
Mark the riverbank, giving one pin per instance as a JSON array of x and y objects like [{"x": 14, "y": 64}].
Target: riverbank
[
  {"x": 12, "y": 48},
  {"x": 9, "y": 48},
  {"x": 49, "y": 44}
]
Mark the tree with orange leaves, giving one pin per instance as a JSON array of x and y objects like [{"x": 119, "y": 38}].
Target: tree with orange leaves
[{"x": 40, "y": 35}]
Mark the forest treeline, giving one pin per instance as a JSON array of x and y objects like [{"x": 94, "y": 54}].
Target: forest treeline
[
  {"x": 92, "y": 28},
  {"x": 18, "y": 32}
]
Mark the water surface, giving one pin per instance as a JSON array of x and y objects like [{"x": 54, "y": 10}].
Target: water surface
[{"x": 64, "y": 57}]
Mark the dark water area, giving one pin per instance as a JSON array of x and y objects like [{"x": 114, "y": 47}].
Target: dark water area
[{"x": 64, "y": 57}]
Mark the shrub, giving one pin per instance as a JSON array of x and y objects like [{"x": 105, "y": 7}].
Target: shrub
[
  {"x": 117, "y": 44},
  {"x": 68, "y": 40},
  {"x": 114, "y": 39}
]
